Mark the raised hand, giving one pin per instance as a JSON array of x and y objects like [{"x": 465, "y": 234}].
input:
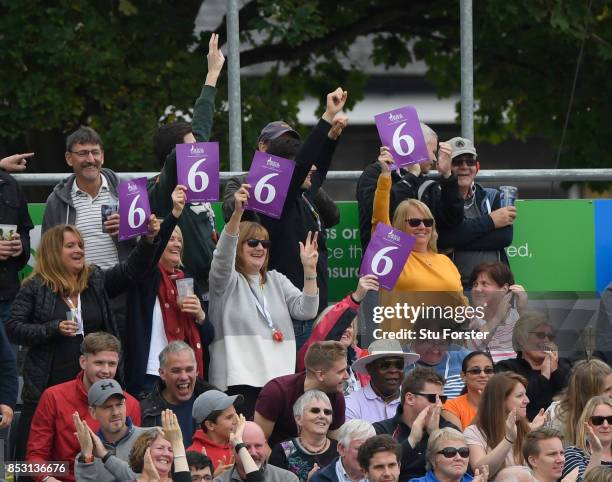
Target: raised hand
[
  {"x": 309, "y": 254},
  {"x": 16, "y": 162},
  {"x": 148, "y": 468},
  {"x": 338, "y": 125},
  {"x": 539, "y": 420},
  {"x": 433, "y": 423},
  {"x": 82, "y": 434},
  {"x": 385, "y": 158},
  {"x": 444, "y": 159},
  {"x": 191, "y": 304},
  {"x": 215, "y": 60},
  {"x": 236, "y": 435},
  {"x": 510, "y": 426},
  {"x": 481, "y": 474},
  {"x": 335, "y": 103},
  {"x": 171, "y": 428},
  {"x": 418, "y": 426},
  {"x": 241, "y": 197},
  {"x": 179, "y": 198},
  {"x": 153, "y": 227},
  {"x": 366, "y": 283},
  {"x": 594, "y": 443},
  {"x": 520, "y": 295},
  {"x": 99, "y": 450}
]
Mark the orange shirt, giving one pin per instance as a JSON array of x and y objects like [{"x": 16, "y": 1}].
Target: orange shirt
[{"x": 462, "y": 409}]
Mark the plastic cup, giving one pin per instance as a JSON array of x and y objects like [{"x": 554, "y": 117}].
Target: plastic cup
[
  {"x": 184, "y": 288},
  {"x": 509, "y": 194}
]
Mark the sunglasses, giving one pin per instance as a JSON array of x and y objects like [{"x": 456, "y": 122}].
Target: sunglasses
[
  {"x": 600, "y": 419},
  {"x": 459, "y": 162},
  {"x": 450, "y": 452},
  {"x": 478, "y": 371},
  {"x": 252, "y": 243},
  {"x": 431, "y": 397},
  {"x": 540, "y": 335},
  {"x": 317, "y": 410},
  {"x": 416, "y": 222},
  {"x": 386, "y": 364}
]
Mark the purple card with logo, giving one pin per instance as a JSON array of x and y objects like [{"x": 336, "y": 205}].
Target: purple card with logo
[
  {"x": 134, "y": 209},
  {"x": 386, "y": 255},
  {"x": 269, "y": 178},
  {"x": 400, "y": 130},
  {"x": 197, "y": 168}
]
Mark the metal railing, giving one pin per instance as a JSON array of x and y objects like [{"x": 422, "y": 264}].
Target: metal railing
[{"x": 493, "y": 175}]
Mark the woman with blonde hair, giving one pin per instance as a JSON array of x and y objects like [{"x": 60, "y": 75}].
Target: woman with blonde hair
[
  {"x": 592, "y": 445},
  {"x": 251, "y": 307},
  {"x": 496, "y": 435},
  {"x": 589, "y": 378}
]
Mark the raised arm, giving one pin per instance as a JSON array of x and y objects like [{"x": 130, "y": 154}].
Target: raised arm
[{"x": 383, "y": 189}]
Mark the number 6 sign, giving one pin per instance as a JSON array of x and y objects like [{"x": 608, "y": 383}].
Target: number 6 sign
[
  {"x": 400, "y": 130},
  {"x": 134, "y": 209},
  {"x": 386, "y": 255},
  {"x": 197, "y": 168},
  {"x": 269, "y": 178}
]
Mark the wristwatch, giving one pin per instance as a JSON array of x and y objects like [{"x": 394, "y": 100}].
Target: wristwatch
[
  {"x": 239, "y": 446},
  {"x": 86, "y": 459}
]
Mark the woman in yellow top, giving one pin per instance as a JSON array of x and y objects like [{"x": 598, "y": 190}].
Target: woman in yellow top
[{"x": 425, "y": 270}]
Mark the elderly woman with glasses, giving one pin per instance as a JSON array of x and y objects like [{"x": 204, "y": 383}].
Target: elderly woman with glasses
[
  {"x": 252, "y": 308},
  {"x": 447, "y": 459},
  {"x": 537, "y": 360},
  {"x": 312, "y": 449}
]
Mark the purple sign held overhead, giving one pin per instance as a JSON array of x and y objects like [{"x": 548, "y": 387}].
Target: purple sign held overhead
[
  {"x": 400, "y": 130},
  {"x": 134, "y": 208},
  {"x": 269, "y": 178},
  {"x": 386, "y": 255},
  {"x": 197, "y": 168}
]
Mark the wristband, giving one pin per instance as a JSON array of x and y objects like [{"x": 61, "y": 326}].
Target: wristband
[
  {"x": 106, "y": 457},
  {"x": 310, "y": 278},
  {"x": 354, "y": 300},
  {"x": 179, "y": 456},
  {"x": 239, "y": 446},
  {"x": 86, "y": 459}
]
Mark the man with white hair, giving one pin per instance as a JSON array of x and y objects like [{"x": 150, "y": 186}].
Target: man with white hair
[
  {"x": 345, "y": 468},
  {"x": 515, "y": 473},
  {"x": 441, "y": 195}
]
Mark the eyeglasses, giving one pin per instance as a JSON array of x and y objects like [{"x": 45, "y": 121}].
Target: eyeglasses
[
  {"x": 85, "y": 153},
  {"x": 540, "y": 335},
  {"x": 450, "y": 452},
  {"x": 200, "y": 478},
  {"x": 457, "y": 162},
  {"x": 265, "y": 243},
  {"x": 416, "y": 222},
  {"x": 317, "y": 410},
  {"x": 386, "y": 364},
  {"x": 599, "y": 419},
  {"x": 431, "y": 397},
  {"x": 478, "y": 371}
]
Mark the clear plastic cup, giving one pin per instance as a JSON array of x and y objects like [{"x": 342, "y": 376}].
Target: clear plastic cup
[
  {"x": 509, "y": 195},
  {"x": 184, "y": 288}
]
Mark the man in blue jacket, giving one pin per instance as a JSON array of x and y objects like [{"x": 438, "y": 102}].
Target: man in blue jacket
[{"x": 486, "y": 228}]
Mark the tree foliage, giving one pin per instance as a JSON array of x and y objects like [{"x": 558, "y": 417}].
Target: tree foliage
[{"x": 118, "y": 65}]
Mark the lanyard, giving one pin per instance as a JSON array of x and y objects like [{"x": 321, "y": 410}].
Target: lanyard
[
  {"x": 76, "y": 313},
  {"x": 263, "y": 309},
  {"x": 313, "y": 211}
]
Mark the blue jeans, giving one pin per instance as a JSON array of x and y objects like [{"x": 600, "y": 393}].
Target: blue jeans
[{"x": 302, "y": 330}]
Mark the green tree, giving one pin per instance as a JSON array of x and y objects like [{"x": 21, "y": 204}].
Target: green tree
[{"x": 118, "y": 65}]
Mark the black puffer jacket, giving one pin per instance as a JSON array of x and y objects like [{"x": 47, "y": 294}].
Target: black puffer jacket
[{"x": 30, "y": 323}]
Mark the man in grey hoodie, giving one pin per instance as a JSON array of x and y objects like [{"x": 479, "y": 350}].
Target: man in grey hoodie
[{"x": 100, "y": 453}]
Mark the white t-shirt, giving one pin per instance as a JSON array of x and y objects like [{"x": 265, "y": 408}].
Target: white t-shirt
[{"x": 159, "y": 341}]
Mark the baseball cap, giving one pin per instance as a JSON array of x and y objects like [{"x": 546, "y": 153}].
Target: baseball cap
[
  {"x": 102, "y": 390},
  {"x": 276, "y": 129},
  {"x": 461, "y": 145},
  {"x": 210, "y": 401}
]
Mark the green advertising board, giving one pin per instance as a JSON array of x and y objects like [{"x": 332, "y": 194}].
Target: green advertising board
[{"x": 553, "y": 247}]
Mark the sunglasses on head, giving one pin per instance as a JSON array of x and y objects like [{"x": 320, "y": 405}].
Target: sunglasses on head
[
  {"x": 600, "y": 419},
  {"x": 252, "y": 243},
  {"x": 431, "y": 397},
  {"x": 457, "y": 162},
  {"x": 416, "y": 222},
  {"x": 317, "y": 410},
  {"x": 540, "y": 335},
  {"x": 478, "y": 371},
  {"x": 450, "y": 452},
  {"x": 386, "y": 364}
]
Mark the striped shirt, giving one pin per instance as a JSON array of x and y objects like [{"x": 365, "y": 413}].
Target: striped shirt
[
  {"x": 100, "y": 248},
  {"x": 575, "y": 457},
  {"x": 498, "y": 343}
]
